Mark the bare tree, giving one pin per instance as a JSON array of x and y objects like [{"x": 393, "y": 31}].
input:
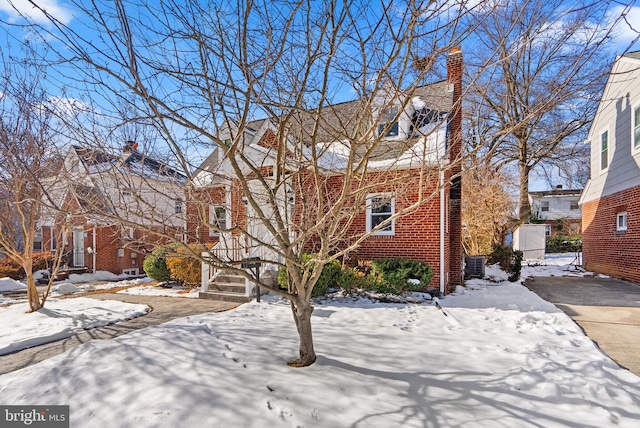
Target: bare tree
[
  {"x": 487, "y": 207},
  {"x": 28, "y": 155},
  {"x": 201, "y": 73},
  {"x": 544, "y": 66}
]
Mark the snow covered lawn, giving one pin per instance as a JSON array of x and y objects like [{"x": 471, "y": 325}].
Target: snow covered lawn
[
  {"x": 58, "y": 319},
  {"x": 500, "y": 357}
]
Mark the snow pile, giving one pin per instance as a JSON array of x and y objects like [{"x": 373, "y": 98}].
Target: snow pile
[
  {"x": 70, "y": 288},
  {"x": 494, "y": 355},
  {"x": 65, "y": 288},
  {"x": 151, "y": 290},
  {"x": 59, "y": 319},
  {"x": 101, "y": 275},
  {"x": 8, "y": 284}
]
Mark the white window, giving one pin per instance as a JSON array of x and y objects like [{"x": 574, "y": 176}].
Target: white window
[
  {"x": 379, "y": 209},
  {"x": 544, "y": 206},
  {"x": 636, "y": 127},
  {"x": 388, "y": 123},
  {"x": 178, "y": 207},
  {"x": 128, "y": 233},
  {"x": 547, "y": 230},
  {"x": 37, "y": 240},
  {"x": 604, "y": 150},
  {"x": 573, "y": 205},
  {"x": 621, "y": 221},
  {"x": 217, "y": 219}
]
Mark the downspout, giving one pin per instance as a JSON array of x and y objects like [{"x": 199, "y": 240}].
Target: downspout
[
  {"x": 94, "y": 248},
  {"x": 442, "y": 220}
]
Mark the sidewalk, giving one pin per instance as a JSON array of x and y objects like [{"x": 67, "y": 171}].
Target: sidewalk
[
  {"x": 608, "y": 310},
  {"x": 163, "y": 309}
]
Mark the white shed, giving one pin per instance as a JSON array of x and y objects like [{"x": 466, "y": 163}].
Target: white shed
[{"x": 530, "y": 239}]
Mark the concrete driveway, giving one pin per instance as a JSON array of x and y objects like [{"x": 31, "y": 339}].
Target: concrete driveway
[{"x": 608, "y": 310}]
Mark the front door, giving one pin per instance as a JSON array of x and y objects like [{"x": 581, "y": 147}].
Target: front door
[{"x": 78, "y": 247}]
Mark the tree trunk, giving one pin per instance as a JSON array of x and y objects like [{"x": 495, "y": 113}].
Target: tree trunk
[
  {"x": 525, "y": 207},
  {"x": 32, "y": 291},
  {"x": 302, "y": 315}
]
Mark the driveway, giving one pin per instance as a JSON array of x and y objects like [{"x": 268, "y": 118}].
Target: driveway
[
  {"x": 163, "y": 309},
  {"x": 608, "y": 310}
]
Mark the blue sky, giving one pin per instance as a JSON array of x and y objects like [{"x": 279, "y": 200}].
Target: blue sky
[{"x": 63, "y": 95}]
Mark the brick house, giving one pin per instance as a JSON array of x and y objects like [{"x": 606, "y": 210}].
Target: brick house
[
  {"x": 420, "y": 135},
  {"x": 558, "y": 209},
  {"x": 116, "y": 207},
  {"x": 611, "y": 198}
]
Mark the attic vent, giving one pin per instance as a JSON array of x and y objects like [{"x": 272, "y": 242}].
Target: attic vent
[{"x": 474, "y": 266}]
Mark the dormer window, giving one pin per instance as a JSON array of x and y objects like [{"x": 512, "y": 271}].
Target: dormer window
[{"x": 388, "y": 123}]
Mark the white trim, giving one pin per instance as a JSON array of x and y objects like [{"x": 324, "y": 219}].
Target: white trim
[
  {"x": 634, "y": 149},
  {"x": 214, "y": 220},
  {"x": 370, "y": 198},
  {"x": 621, "y": 226},
  {"x": 609, "y": 149}
]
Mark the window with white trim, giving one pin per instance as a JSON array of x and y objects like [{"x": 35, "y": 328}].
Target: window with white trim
[
  {"x": 217, "y": 219},
  {"x": 573, "y": 205},
  {"x": 177, "y": 206},
  {"x": 544, "y": 206},
  {"x": 621, "y": 221},
  {"x": 37, "y": 240},
  {"x": 604, "y": 150},
  {"x": 547, "y": 230},
  {"x": 380, "y": 208},
  {"x": 636, "y": 127},
  {"x": 388, "y": 123}
]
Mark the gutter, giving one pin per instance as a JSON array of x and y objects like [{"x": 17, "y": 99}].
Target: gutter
[{"x": 442, "y": 220}]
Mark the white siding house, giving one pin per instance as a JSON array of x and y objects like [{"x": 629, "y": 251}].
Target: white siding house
[{"x": 611, "y": 199}]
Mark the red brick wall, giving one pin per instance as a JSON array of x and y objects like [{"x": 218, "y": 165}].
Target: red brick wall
[
  {"x": 605, "y": 250},
  {"x": 417, "y": 233},
  {"x": 454, "y": 73}
]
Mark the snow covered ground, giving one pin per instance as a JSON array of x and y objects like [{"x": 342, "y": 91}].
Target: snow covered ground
[
  {"x": 151, "y": 290},
  {"x": 59, "y": 319},
  {"x": 500, "y": 357}
]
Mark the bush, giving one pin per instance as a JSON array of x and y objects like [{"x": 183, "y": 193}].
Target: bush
[
  {"x": 155, "y": 264},
  {"x": 563, "y": 244},
  {"x": 184, "y": 267},
  {"x": 330, "y": 276},
  {"x": 10, "y": 269},
  {"x": 42, "y": 261},
  {"x": 509, "y": 261},
  {"x": 393, "y": 275}
]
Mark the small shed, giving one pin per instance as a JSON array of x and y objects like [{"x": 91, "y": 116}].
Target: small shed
[{"x": 530, "y": 239}]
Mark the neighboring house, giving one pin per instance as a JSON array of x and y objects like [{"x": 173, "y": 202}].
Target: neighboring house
[
  {"x": 425, "y": 129},
  {"x": 116, "y": 208},
  {"x": 558, "y": 209},
  {"x": 611, "y": 199}
]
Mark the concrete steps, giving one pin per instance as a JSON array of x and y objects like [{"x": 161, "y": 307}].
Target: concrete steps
[{"x": 227, "y": 287}]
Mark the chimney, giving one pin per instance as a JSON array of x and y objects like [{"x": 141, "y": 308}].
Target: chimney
[
  {"x": 130, "y": 146},
  {"x": 454, "y": 78}
]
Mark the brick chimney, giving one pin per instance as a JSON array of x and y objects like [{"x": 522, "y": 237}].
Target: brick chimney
[
  {"x": 454, "y": 78},
  {"x": 130, "y": 146}
]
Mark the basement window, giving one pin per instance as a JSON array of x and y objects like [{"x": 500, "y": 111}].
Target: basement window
[{"x": 621, "y": 222}]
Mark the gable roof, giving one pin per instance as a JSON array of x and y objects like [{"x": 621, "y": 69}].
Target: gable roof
[
  {"x": 343, "y": 122},
  {"x": 556, "y": 192},
  {"x": 99, "y": 161},
  {"x": 634, "y": 55}
]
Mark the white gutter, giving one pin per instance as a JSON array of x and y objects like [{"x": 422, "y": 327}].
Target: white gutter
[
  {"x": 442, "y": 220},
  {"x": 94, "y": 248}
]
